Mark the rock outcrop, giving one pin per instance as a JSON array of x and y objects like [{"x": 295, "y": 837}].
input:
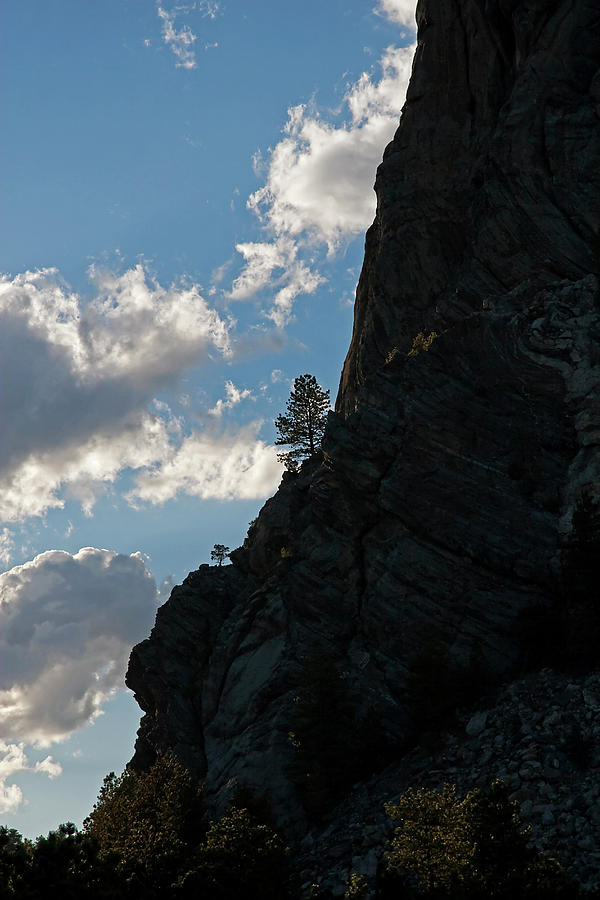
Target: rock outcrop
[
  {"x": 541, "y": 737},
  {"x": 449, "y": 472}
]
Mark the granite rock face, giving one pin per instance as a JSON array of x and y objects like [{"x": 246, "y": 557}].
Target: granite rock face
[{"x": 449, "y": 471}]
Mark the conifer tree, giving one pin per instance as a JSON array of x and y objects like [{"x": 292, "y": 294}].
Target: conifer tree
[
  {"x": 219, "y": 552},
  {"x": 303, "y": 427},
  {"x": 148, "y": 823}
]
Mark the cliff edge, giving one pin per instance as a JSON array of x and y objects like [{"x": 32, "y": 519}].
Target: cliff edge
[{"x": 467, "y": 424}]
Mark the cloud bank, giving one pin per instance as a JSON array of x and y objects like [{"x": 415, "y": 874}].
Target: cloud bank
[
  {"x": 67, "y": 625},
  {"x": 79, "y": 382}
]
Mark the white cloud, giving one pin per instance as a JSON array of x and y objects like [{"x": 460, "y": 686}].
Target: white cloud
[
  {"x": 261, "y": 261},
  {"x": 321, "y": 175},
  {"x": 51, "y": 768},
  {"x": 233, "y": 396},
  {"x": 67, "y": 625},
  {"x": 89, "y": 374},
  {"x": 400, "y": 11},
  {"x": 318, "y": 186},
  {"x": 139, "y": 328},
  {"x": 300, "y": 280},
  {"x": 13, "y": 760},
  {"x": 275, "y": 265},
  {"x": 224, "y": 467},
  {"x": 82, "y": 470},
  {"x": 180, "y": 41}
]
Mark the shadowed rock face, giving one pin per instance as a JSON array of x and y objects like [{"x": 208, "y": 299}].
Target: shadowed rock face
[
  {"x": 491, "y": 181},
  {"x": 448, "y": 476}
]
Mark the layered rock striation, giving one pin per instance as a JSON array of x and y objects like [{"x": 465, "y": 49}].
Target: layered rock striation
[{"x": 439, "y": 506}]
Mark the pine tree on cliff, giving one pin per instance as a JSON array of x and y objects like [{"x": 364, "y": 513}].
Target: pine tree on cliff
[
  {"x": 219, "y": 552},
  {"x": 303, "y": 427}
]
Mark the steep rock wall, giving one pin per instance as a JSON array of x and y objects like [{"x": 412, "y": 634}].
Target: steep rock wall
[
  {"x": 490, "y": 183},
  {"x": 448, "y": 476}
]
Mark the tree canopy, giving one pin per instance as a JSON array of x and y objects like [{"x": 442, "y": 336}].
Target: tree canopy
[
  {"x": 148, "y": 822},
  {"x": 303, "y": 426},
  {"x": 467, "y": 848}
]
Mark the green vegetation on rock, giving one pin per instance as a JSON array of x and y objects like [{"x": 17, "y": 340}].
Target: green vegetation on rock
[
  {"x": 466, "y": 848},
  {"x": 304, "y": 425}
]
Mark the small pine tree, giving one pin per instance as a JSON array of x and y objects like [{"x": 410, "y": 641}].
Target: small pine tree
[
  {"x": 219, "y": 552},
  {"x": 304, "y": 425}
]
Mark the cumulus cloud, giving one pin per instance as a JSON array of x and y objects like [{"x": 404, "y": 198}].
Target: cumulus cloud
[
  {"x": 400, "y": 11},
  {"x": 67, "y": 625},
  {"x": 81, "y": 471},
  {"x": 320, "y": 175},
  {"x": 318, "y": 184},
  {"x": 89, "y": 373},
  {"x": 13, "y": 760},
  {"x": 224, "y": 466}
]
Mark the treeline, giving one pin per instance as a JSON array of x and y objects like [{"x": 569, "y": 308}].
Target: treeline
[{"x": 147, "y": 837}]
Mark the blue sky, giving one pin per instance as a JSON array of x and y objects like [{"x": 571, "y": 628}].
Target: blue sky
[{"x": 185, "y": 190}]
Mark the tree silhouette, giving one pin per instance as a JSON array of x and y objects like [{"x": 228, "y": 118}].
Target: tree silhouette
[
  {"x": 303, "y": 427},
  {"x": 219, "y": 552}
]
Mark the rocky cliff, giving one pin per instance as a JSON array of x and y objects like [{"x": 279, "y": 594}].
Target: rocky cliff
[{"x": 467, "y": 423}]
